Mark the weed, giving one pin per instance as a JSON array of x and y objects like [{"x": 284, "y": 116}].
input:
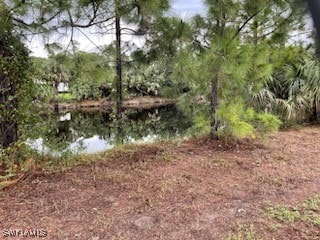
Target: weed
[
  {"x": 283, "y": 214},
  {"x": 65, "y": 161},
  {"x": 167, "y": 155},
  {"x": 312, "y": 203},
  {"x": 309, "y": 218},
  {"x": 274, "y": 227},
  {"x": 246, "y": 234},
  {"x": 211, "y": 163},
  {"x": 307, "y": 212}
]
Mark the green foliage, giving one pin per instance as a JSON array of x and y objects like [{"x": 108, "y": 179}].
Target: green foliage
[
  {"x": 88, "y": 71},
  {"x": 244, "y": 66},
  {"x": 237, "y": 122},
  {"x": 85, "y": 73},
  {"x": 266, "y": 122},
  {"x": 292, "y": 91},
  {"x": 233, "y": 122},
  {"x": 13, "y": 156},
  {"x": 199, "y": 115},
  {"x": 84, "y": 89},
  {"x": 244, "y": 234},
  {"x": 145, "y": 79},
  {"x": 44, "y": 78},
  {"x": 307, "y": 212},
  {"x": 65, "y": 97},
  {"x": 168, "y": 92},
  {"x": 167, "y": 39},
  {"x": 201, "y": 126},
  {"x": 283, "y": 214},
  {"x": 235, "y": 57},
  {"x": 16, "y": 86},
  {"x": 45, "y": 93}
]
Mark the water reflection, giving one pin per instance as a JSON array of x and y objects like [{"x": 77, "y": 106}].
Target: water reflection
[{"x": 90, "y": 132}]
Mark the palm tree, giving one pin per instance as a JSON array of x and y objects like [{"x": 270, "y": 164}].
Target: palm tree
[
  {"x": 291, "y": 92},
  {"x": 311, "y": 72}
]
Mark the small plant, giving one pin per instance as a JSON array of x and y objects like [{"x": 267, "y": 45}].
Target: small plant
[
  {"x": 266, "y": 122},
  {"x": 237, "y": 122},
  {"x": 233, "y": 122},
  {"x": 284, "y": 214},
  {"x": 307, "y": 212},
  {"x": 246, "y": 234},
  {"x": 312, "y": 204},
  {"x": 167, "y": 155}
]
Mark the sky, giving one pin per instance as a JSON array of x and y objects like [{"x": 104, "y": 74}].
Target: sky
[
  {"x": 180, "y": 8},
  {"x": 185, "y": 8}
]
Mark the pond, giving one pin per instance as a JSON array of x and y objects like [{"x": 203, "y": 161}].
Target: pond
[{"x": 95, "y": 131}]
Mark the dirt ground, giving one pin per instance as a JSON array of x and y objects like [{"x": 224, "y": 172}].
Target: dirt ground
[{"x": 266, "y": 189}]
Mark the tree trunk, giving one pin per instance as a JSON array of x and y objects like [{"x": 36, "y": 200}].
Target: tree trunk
[
  {"x": 220, "y": 31},
  {"x": 214, "y": 106},
  {"x": 8, "y": 124},
  {"x": 255, "y": 32},
  {"x": 118, "y": 64}
]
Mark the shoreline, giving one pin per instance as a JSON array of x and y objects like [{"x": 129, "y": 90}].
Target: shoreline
[{"x": 107, "y": 104}]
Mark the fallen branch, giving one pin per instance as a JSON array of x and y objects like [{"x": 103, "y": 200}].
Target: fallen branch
[{"x": 7, "y": 184}]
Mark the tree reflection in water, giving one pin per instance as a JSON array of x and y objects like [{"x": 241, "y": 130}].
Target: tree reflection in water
[{"x": 89, "y": 132}]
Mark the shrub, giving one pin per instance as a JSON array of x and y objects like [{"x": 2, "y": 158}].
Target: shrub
[
  {"x": 266, "y": 122},
  {"x": 233, "y": 122},
  {"x": 237, "y": 122},
  {"x": 201, "y": 125}
]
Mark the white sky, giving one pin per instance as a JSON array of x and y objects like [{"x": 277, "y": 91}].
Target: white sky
[{"x": 180, "y": 8}]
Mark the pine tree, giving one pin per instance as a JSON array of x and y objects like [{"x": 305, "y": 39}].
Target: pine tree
[{"x": 234, "y": 42}]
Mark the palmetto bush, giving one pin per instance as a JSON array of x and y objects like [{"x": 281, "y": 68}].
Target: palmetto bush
[
  {"x": 293, "y": 92},
  {"x": 311, "y": 71}
]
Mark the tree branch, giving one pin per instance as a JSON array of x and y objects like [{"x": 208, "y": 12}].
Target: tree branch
[{"x": 246, "y": 22}]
